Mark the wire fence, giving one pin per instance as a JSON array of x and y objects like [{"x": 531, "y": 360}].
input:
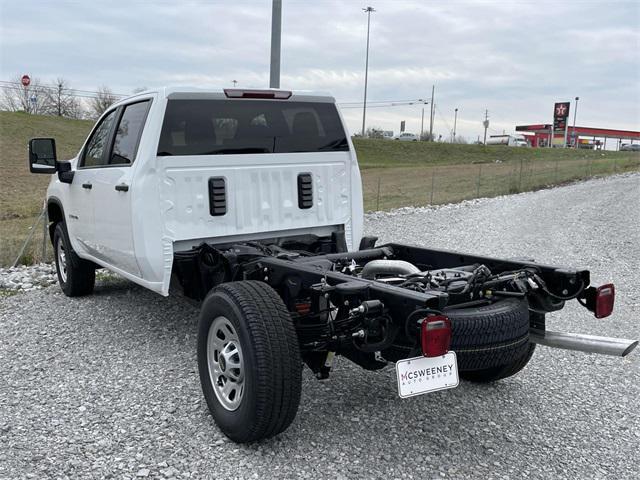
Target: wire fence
[
  {"x": 388, "y": 188},
  {"x": 26, "y": 240}
]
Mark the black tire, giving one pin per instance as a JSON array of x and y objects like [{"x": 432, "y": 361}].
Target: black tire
[
  {"x": 509, "y": 366},
  {"x": 270, "y": 356},
  {"x": 76, "y": 277},
  {"x": 490, "y": 336}
]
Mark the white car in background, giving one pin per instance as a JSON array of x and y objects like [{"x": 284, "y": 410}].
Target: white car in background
[
  {"x": 406, "y": 137},
  {"x": 633, "y": 147}
]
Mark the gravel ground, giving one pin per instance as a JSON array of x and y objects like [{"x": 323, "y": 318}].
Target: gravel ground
[{"x": 106, "y": 386}]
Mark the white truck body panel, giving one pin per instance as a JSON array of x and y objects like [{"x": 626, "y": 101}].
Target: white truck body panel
[{"x": 166, "y": 208}]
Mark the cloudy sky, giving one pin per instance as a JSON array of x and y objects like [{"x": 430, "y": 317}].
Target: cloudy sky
[{"x": 512, "y": 57}]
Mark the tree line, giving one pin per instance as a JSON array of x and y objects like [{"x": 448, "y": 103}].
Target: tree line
[{"x": 57, "y": 99}]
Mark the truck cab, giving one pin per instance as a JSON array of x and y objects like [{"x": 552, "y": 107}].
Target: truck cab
[{"x": 167, "y": 170}]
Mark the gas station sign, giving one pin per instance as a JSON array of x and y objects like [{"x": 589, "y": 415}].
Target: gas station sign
[{"x": 560, "y": 114}]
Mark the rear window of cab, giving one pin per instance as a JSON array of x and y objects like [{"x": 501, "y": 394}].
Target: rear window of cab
[{"x": 218, "y": 127}]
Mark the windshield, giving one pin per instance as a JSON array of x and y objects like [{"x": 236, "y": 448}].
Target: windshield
[{"x": 216, "y": 127}]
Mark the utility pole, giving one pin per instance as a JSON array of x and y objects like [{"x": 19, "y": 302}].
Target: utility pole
[
  {"x": 422, "y": 119},
  {"x": 486, "y": 125},
  {"x": 552, "y": 130},
  {"x": 235, "y": 82},
  {"x": 276, "y": 35},
  {"x": 575, "y": 113},
  {"x": 433, "y": 89},
  {"x": 455, "y": 122},
  {"x": 368, "y": 11}
]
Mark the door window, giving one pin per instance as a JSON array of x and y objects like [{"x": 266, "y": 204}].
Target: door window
[
  {"x": 94, "y": 155},
  {"x": 128, "y": 134}
]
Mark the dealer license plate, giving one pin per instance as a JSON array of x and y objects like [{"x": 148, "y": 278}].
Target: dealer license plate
[{"x": 426, "y": 374}]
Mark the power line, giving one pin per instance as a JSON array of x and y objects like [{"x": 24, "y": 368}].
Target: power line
[
  {"x": 42, "y": 90},
  {"x": 381, "y": 101},
  {"x": 77, "y": 92},
  {"x": 394, "y": 104},
  {"x": 53, "y": 88}
]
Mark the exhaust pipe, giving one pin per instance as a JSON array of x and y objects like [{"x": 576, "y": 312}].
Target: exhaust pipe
[{"x": 618, "y": 347}]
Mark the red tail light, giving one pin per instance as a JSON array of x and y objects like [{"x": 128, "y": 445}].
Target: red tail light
[
  {"x": 605, "y": 297},
  {"x": 435, "y": 335},
  {"x": 268, "y": 94},
  {"x": 303, "y": 308}
]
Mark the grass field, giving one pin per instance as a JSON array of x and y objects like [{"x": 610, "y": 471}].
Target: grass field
[
  {"x": 397, "y": 174},
  {"x": 21, "y": 193},
  {"x": 394, "y": 174}
]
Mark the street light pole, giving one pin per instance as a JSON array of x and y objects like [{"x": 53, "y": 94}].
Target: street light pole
[
  {"x": 485, "y": 124},
  {"x": 276, "y": 30},
  {"x": 455, "y": 121},
  {"x": 433, "y": 89},
  {"x": 575, "y": 113},
  {"x": 368, "y": 11}
]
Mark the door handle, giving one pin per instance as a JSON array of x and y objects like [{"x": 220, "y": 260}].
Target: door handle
[
  {"x": 88, "y": 186},
  {"x": 122, "y": 188}
]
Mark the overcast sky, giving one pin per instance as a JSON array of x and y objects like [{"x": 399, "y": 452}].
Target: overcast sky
[{"x": 514, "y": 58}]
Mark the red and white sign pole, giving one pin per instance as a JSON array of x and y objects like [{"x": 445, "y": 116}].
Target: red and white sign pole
[{"x": 25, "y": 80}]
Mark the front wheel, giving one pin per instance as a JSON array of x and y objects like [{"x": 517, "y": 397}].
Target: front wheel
[
  {"x": 76, "y": 276},
  {"x": 249, "y": 361}
]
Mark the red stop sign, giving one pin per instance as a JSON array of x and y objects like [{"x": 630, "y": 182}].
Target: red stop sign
[{"x": 26, "y": 80}]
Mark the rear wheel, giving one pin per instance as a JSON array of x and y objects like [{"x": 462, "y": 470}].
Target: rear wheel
[
  {"x": 249, "y": 361},
  {"x": 76, "y": 276}
]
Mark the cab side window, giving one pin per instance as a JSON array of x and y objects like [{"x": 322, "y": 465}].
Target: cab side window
[
  {"x": 128, "y": 134},
  {"x": 94, "y": 154}
]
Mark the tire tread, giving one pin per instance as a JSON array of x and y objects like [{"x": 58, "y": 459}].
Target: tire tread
[
  {"x": 81, "y": 274},
  {"x": 275, "y": 347}
]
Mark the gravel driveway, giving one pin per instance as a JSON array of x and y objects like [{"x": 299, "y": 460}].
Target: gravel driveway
[{"x": 106, "y": 386}]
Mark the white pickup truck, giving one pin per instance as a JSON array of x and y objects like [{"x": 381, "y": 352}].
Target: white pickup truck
[{"x": 251, "y": 201}]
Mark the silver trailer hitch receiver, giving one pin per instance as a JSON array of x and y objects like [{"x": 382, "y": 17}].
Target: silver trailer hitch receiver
[{"x": 618, "y": 347}]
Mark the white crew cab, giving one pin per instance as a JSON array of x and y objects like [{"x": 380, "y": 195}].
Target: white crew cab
[{"x": 142, "y": 184}]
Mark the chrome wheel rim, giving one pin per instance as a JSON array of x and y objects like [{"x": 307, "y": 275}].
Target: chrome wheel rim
[
  {"x": 224, "y": 360},
  {"x": 62, "y": 261}
]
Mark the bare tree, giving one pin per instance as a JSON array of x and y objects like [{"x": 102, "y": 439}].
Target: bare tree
[
  {"x": 374, "y": 132},
  {"x": 60, "y": 102},
  {"x": 460, "y": 139},
  {"x": 427, "y": 137},
  {"x": 16, "y": 98},
  {"x": 104, "y": 99}
]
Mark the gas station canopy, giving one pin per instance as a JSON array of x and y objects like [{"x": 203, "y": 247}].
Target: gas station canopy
[{"x": 541, "y": 133}]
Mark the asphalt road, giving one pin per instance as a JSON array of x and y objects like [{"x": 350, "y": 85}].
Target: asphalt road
[{"x": 106, "y": 386}]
